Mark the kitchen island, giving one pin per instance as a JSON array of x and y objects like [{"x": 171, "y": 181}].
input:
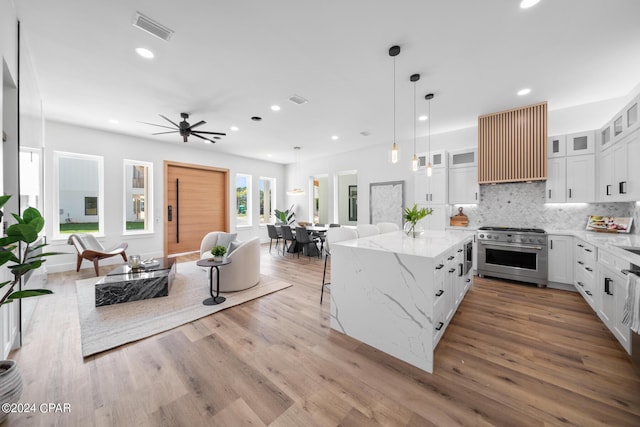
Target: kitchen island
[{"x": 397, "y": 293}]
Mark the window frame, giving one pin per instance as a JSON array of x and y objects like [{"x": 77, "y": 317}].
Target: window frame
[
  {"x": 148, "y": 201},
  {"x": 57, "y": 156},
  {"x": 248, "y": 208},
  {"x": 273, "y": 200}
]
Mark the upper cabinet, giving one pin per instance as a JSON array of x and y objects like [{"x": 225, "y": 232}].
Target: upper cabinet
[
  {"x": 463, "y": 158},
  {"x": 557, "y": 146},
  {"x": 622, "y": 124},
  {"x": 581, "y": 143}
]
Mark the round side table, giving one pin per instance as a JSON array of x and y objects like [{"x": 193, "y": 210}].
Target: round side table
[{"x": 217, "y": 299}]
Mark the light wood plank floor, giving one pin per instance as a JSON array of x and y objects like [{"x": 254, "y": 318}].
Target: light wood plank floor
[{"x": 513, "y": 356}]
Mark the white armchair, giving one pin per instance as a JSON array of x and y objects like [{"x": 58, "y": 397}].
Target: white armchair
[{"x": 244, "y": 270}]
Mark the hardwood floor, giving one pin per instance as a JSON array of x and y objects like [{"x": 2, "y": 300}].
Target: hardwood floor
[{"x": 513, "y": 355}]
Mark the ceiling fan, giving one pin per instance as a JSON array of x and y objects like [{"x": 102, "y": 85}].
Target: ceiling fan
[{"x": 185, "y": 129}]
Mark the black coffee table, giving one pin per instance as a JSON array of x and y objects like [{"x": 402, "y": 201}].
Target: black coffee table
[
  {"x": 125, "y": 284},
  {"x": 217, "y": 299}
]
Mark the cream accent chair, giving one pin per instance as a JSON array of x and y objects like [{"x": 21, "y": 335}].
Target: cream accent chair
[
  {"x": 366, "y": 230},
  {"x": 244, "y": 270},
  {"x": 387, "y": 227}
]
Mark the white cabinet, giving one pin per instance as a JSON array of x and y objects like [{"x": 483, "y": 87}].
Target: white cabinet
[
  {"x": 626, "y": 174},
  {"x": 571, "y": 179},
  {"x": 438, "y": 159},
  {"x": 581, "y": 143},
  {"x": 560, "y": 267},
  {"x": 605, "y": 176},
  {"x": 463, "y": 158},
  {"x": 430, "y": 189},
  {"x": 584, "y": 273},
  {"x": 612, "y": 287},
  {"x": 556, "y": 184},
  {"x": 557, "y": 146},
  {"x": 437, "y": 220},
  {"x": 463, "y": 185},
  {"x": 581, "y": 179}
]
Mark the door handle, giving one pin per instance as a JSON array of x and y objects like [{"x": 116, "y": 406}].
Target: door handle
[
  {"x": 549, "y": 193},
  {"x": 622, "y": 187},
  {"x": 607, "y": 286},
  {"x": 608, "y": 187},
  {"x": 569, "y": 193}
]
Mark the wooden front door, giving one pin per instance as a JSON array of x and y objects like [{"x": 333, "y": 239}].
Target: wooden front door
[{"x": 196, "y": 202}]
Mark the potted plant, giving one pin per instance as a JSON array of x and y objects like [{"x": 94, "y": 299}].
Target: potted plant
[
  {"x": 281, "y": 216},
  {"x": 218, "y": 252},
  {"x": 411, "y": 217},
  {"x": 25, "y": 231}
]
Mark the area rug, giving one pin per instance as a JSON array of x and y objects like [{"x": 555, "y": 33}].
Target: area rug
[{"x": 107, "y": 327}]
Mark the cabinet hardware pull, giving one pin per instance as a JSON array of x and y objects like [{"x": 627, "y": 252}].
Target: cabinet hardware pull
[
  {"x": 439, "y": 266},
  {"x": 569, "y": 193},
  {"x": 549, "y": 193},
  {"x": 459, "y": 250},
  {"x": 460, "y": 273},
  {"x": 622, "y": 187},
  {"x": 439, "y": 293},
  {"x": 580, "y": 262},
  {"x": 588, "y": 250},
  {"x": 476, "y": 195},
  {"x": 451, "y": 270},
  {"x": 608, "y": 187},
  {"x": 450, "y": 258},
  {"x": 580, "y": 284},
  {"x": 588, "y": 293},
  {"x": 551, "y": 241},
  {"x": 440, "y": 325},
  {"x": 607, "y": 286},
  {"x": 468, "y": 280},
  {"x": 580, "y": 246},
  {"x": 588, "y": 269}
]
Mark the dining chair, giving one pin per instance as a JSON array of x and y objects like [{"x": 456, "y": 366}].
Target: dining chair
[
  {"x": 308, "y": 242},
  {"x": 287, "y": 236},
  {"x": 272, "y": 231},
  {"x": 334, "y": 235},
  {"x": 365, "y": 230},
  {"x": 387, "y": 227},
  {"x": 334, "y": 225}
]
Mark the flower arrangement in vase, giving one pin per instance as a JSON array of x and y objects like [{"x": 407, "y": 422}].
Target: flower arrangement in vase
[{"x": 411, "y": 216}]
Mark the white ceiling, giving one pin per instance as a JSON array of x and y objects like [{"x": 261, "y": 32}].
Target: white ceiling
[{"x": 230, "y": 60}]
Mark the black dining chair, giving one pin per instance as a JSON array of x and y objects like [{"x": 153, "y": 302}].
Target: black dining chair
[
  {"x": 334, "y": 225},
  {"x": 273, "y": 234},
  {"x": 287, "y": 236},
  {"x": 308, "y": 243}
]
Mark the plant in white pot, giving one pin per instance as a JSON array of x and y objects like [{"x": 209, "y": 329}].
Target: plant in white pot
[
  {"x": 218, "y": 252},
  {"x": 25, "y": 231}
]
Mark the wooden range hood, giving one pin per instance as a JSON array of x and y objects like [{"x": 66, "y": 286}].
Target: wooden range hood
[{"x": 512, "y": 145}]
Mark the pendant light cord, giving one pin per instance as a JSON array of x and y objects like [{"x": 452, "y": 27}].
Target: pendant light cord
[
  {"x": 414, "y": 118},
  {"x": 394, "y": 99},
  {"x": 429, "y": 128}
]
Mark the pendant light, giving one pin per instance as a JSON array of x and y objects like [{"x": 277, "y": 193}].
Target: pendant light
[
  {"x": 429, "y": 97},
  {"x": 414, "y": 162},
  {"x": 295, "y": 191},
  {"x": 393, "y": 52}
]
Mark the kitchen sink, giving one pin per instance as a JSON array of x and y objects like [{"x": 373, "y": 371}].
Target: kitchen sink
[{"x": 631, "y": 249}]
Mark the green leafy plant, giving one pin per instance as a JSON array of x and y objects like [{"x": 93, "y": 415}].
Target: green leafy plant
[
  {"x": 281, "y": 215},
  {"x": 413, "y": 215},
  {"x": 25, "y": 231},
  {"x": 218, "y": 250}
]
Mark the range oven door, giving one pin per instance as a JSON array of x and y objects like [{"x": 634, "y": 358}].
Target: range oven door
[{"x": 513, "y": 261}]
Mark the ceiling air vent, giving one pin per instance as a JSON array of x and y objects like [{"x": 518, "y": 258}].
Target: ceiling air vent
[
  {"x": 365, "y": 133},
  {"x": 152, "y": 27},
  {"x": 297, "y": 99}
]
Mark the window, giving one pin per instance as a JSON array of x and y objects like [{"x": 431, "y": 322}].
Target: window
[
  {"x": 243, "y": 200},
  {"x": 138, "y": 206},
  {"x": 79, "y": 196},
  {"x": 267, "y": 200}
]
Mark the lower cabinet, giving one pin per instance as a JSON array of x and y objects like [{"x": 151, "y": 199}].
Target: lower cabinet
[
  {"x": 584, "y": 273},
  {"x": 612, "y": 288},
  {"x": 560, "y": 266}
]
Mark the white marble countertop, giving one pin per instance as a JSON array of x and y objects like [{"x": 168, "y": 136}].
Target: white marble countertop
[
  {"x": 607, "y": 241},
  {"x": 430, "y": 245}
]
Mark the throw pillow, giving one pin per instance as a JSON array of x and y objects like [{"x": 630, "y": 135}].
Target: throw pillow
[
  {"x": 234, "y": 245},
  {"x": 225, "y": 239}
]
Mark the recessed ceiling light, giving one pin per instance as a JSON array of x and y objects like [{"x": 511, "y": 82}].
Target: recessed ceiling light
[
  {"x": 234, "y": 128},
  {"x": 269, "y": 155},
  {"x": 113, "y": 121},
  {"x": 526, "y": 4},
  {"x": 145, "y": 53},
  {"x": 423, "y": 118},
  {"x": 275, "y": 108},
  {"x": 525, "y": 91},
  {"x": 334, "y": 137}
]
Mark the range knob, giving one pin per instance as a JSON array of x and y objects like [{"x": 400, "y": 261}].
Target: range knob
[
  {"x": 481, "y": 236},
  {"x": 495, "y": 237},
  {"x": 540, "y": 240}
]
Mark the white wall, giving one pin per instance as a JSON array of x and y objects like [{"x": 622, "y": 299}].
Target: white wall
[{"x": 115, "y": 148}]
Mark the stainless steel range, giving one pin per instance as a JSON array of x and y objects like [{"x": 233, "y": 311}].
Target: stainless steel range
[{"x": 513, "y": 253}]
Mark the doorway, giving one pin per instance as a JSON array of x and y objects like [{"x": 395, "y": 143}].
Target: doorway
[{"x": 196, "y": 200}]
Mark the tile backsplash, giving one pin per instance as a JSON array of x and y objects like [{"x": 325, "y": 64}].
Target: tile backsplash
[{"x": 523, "y": 205}]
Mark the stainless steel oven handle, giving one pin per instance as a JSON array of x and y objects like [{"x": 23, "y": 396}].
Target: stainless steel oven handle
[{"x": 508, "y": 245}]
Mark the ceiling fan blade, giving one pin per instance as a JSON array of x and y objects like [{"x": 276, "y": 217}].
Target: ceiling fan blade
[
  {"x": 153, "y": 124},
  {"x": 162, "y": 133},
  {"x": 176, "y": 125},
  {"x": 201, "y": 122},
  {"x": 209, "y": 133},
  {"x": 202, "y": 137}
]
